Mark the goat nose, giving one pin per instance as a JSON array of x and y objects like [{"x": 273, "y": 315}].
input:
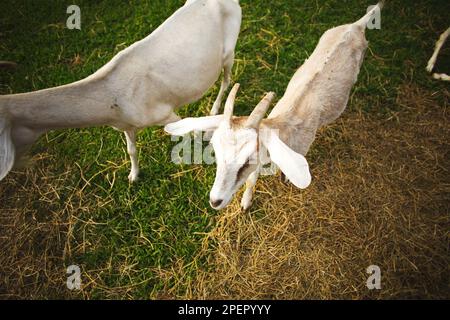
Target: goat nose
[{"x": 215, "y": 203}]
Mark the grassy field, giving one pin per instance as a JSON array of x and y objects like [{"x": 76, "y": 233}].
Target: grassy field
[{"x": 380, "y": 190}]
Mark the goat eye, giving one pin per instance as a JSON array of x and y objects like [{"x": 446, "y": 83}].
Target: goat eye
[{"x": 242, "y": 169}]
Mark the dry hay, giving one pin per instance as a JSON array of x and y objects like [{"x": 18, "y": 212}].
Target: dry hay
[
  {"x": 28, "y": 235},
  {"x": 36, "y": 220},
  {"x": 380, "y": 196}
]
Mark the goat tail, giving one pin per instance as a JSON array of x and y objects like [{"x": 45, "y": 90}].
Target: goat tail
[
  {"x": 369, "y": 15},
  {"x": 7, "y": 150}
]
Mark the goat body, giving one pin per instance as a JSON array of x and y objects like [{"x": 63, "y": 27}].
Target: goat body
[
  {"x": 141, "y": 86},
  {"x": 318, "y": 92}
]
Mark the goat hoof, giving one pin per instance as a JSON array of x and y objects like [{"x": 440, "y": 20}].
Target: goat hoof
[
  {"x": 133, "y": 177},
  {"x": 245, "y": 205},
  {"x": 284, "y": 179}
]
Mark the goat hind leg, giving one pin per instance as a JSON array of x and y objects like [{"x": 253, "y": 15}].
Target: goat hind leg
[
  {"x": 130, "y": 136},
  {"x": 173, "y": 117}
]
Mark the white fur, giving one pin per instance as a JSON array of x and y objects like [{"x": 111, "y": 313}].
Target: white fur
[{"x": 142, "y": 85}]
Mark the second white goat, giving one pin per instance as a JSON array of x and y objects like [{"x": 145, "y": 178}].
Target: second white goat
[{"x": 316, "y": 95}]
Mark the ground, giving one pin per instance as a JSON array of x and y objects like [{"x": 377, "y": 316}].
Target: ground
[{"x": 380, "y": 190}]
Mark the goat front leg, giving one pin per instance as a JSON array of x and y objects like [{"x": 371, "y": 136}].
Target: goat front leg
[
  {"x": 247, "y": 198},
  {"x": 130, "y": 135},
  {"x": 223, "y": 87},
  {"x": 173, "y": 117},
  {"x": 437, "y": 48}
]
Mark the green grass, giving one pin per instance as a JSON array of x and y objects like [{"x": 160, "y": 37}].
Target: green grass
[{"x": 122, "y": 233}]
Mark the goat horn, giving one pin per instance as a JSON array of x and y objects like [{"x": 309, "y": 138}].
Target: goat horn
[
  {"x": 229, "y": 105},
  {"x": 259, "y": 112}
]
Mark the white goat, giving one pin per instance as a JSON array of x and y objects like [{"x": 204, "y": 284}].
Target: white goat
[
  {"x": 316, "y": 95},
  {"x": 141, "y": 86},
  {"x": 432, "y": 61}
]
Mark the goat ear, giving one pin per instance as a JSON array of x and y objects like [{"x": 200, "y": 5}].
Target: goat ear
[
  {"x": 291, "y": 163},
  {"x": 186, "y": 125},
  {"x": 7, "y": 151}
]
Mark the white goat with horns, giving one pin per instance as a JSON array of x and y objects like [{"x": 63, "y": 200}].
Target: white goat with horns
[
  {"x": 316, "y": 95},
  {"x": 141, "y": 86}
]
